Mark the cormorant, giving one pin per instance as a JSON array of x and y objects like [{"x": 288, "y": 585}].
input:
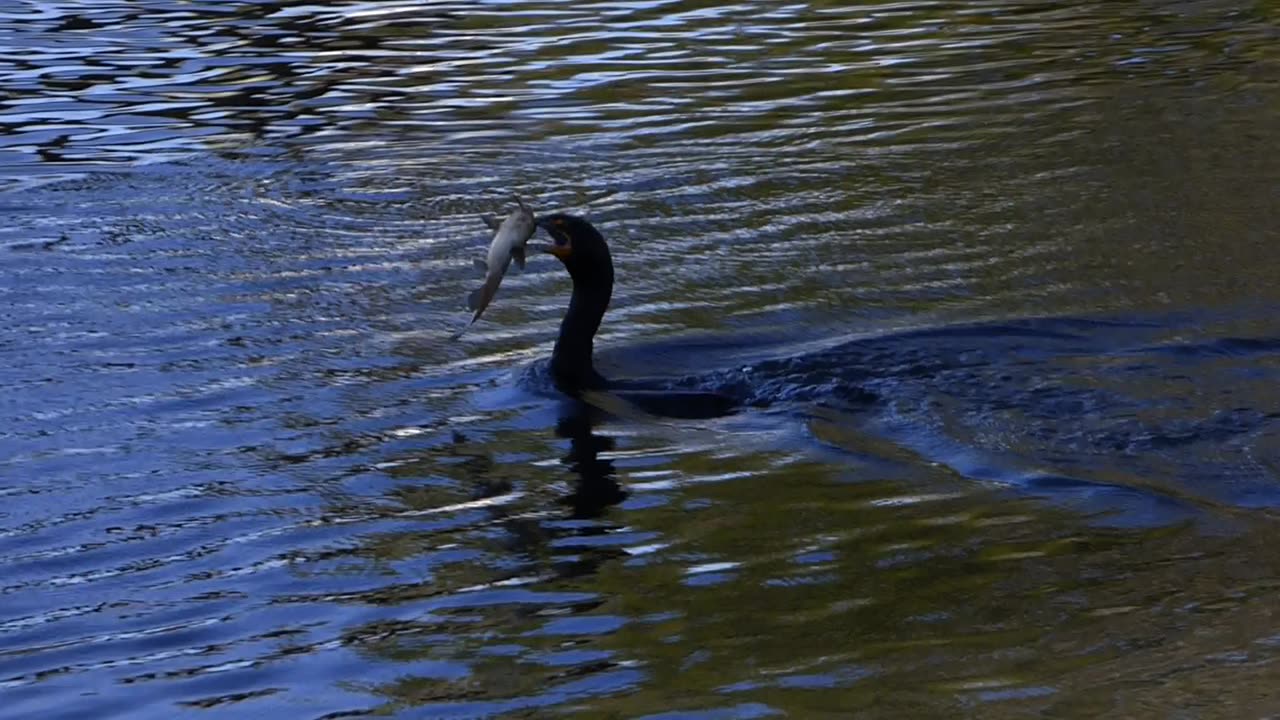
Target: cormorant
[{"x": 586, "y": 256}]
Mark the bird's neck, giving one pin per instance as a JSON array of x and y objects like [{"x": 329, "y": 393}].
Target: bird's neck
[{"x": 571, "y": 362}]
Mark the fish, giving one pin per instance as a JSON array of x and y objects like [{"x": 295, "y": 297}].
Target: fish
[{"x": 509, "y": 238}]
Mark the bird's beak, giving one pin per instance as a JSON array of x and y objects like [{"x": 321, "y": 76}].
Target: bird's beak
[
  {"x": 562, "y": 248},
  {"x": 561, "y": 251}
]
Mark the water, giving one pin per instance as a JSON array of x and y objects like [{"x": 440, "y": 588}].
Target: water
[{"x": 996, "y": 280}]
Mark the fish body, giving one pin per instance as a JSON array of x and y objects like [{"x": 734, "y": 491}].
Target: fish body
[{"x": 509, "y": 238}]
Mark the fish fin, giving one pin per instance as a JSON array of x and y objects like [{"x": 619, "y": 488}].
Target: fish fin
[
  {"x": 491, "y": 221},
  {"x": 481, "y": 265},
  {"x": 475, "y": 298},
  {"x": 517, "y": 254}
]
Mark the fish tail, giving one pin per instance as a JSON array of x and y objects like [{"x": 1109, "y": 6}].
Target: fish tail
[
  {"x": 478, "y": 300},
  {"x": 483, "y": 295}
]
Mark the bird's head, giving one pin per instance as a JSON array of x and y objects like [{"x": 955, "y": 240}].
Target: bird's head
[{"x": 577, "y": 244}]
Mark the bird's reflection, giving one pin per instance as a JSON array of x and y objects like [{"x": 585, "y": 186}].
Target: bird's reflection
[{"x": 596, "y": 487}]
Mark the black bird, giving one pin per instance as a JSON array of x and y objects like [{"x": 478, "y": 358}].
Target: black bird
[{"x": 586, "y": 256}]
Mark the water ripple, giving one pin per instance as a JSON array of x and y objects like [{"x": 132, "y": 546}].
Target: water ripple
[{"x": 244, "y": 472}]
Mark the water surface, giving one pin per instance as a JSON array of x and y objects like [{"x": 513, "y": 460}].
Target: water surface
[{"x": 995, "y": 282}]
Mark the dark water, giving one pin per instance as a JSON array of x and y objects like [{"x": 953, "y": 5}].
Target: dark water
[{"x": 998, "y": 280}]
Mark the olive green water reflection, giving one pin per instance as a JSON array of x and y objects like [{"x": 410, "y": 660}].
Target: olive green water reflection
[{"x": 997, "y": 281}]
